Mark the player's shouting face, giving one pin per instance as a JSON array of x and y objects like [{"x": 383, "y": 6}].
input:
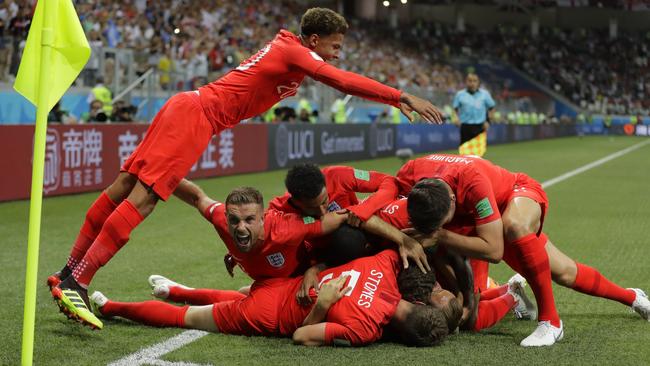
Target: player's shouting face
[{"x": 246, "y": 225}]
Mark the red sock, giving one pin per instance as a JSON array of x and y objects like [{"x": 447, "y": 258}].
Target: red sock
[
  {"x": 480, "y": 269},
  {"x": 494, "y": 292},
  {"x": 155, "y": 313},
  {"x": 202, "y": 296},
  {"x": 95, "y": 217},
  {"x": 533, "y": 264},
  {"x": 589, "y": 281},
  {"x": 491, "y": 311},
  {"x": 114, "y": 234}
]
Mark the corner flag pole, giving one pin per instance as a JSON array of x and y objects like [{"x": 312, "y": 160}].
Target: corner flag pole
[{"x": 36, "y": 198}]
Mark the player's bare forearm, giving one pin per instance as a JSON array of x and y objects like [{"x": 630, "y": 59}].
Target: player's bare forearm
[
  {"x": 318, "y": 314},
  {"x": 379, "y": 227},
  {"x": 472, "y": 246},
  {"x": 193, "y": 195},
  {"x": 310, "y": 335},
  {"x": 332, "y": 221}
]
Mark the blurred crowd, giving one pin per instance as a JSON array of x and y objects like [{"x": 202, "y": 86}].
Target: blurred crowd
[{"x": 193, "y": 42}]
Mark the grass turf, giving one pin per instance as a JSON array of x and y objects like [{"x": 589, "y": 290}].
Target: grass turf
[{"x": 599, "y": 217}]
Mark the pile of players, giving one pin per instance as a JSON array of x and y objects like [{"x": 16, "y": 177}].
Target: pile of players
[
  {"x": 329, "y": 270},
  {"x": 326, "y": 268}
]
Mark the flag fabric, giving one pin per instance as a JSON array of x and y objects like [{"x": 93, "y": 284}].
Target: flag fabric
[
  {"x": 70, "y": 52},
  {"x": 476, "y": 146}
]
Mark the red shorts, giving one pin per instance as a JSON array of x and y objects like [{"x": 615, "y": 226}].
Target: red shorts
[
  {"x": 526, "y": 186},
  {"x": 257, "y": 313},
  {"x": 177, "y": 137}
]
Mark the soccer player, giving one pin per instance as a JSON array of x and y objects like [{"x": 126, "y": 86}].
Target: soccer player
[
  {"x": 181, "y": 130},
  {"x": 353, "y": 305},
  {"x": 507, "y": 212}
]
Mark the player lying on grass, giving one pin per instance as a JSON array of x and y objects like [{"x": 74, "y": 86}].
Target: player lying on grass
[
  {"x": 355, "y": 302},
  {"x": 183, "y": 127},
  {"x": 507, "y": 211}
]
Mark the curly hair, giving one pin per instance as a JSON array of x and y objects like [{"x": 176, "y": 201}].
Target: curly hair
[
  {"x": 305, "y": 181},
  {"x": 427, "y": 205},
  {"x": 414, "y": 285},
  {"x": 425, "y": 326},
  {"x": 323, "y": 22}
]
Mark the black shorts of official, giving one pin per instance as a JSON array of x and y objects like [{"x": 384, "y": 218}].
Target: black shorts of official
[{"x": 469, "y": 130}]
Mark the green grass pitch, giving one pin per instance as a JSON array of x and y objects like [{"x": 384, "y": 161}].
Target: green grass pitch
[{"x": 600, "y": 217}]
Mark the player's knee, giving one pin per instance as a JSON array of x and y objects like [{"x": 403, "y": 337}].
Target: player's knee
[
  {"x": 564, "y": 275},
  {"x": 517, "y": 227}
]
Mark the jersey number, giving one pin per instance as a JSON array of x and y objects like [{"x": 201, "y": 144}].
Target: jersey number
[
  {"x": 255, "y": 59},
  {"x": 354, "y": 278}
]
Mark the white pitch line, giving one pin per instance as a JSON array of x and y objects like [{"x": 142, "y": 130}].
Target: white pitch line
[
  {"x": 150, "y": 355},
  {"x": 592, "y": 165}
]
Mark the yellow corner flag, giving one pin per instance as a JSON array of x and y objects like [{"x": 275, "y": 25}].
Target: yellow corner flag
[
  {"x": 476, "y": 146},
  {"x": 70, "y": 52},
  {"x": 55, "y": 53}
]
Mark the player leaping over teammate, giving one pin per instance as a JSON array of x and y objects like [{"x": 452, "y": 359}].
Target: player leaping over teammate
[{"x": 181, "y": 130}]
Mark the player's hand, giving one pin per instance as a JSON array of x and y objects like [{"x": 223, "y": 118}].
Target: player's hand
[
  {"x": 427, "y": 241},
  {"x": 486, "y": 126},
  {"x": 353, "y": 220},
  {"x": 411, "y": 248},
  {"x": 428, "y": 111},
  {"x": 309, "y": 281},
  {"x": 230, "y": 264},
  {"x": 332, "y": 291},
  {"x": 333, "y": 220}
]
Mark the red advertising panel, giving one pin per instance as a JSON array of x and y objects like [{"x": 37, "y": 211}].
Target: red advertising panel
[{"x": 80, "y": 158}]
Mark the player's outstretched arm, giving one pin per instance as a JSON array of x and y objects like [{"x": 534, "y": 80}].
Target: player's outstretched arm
[
  {"x": 424, "y": 108},
  {"x": 193, "y": 195}
]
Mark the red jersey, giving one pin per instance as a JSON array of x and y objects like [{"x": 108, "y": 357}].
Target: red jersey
[
  {"x": 274, "y": 73},
  {"x": 396, "y": 214},
  {"x": 283, "y": 252},
  {"x": 482, "y": 189},
  {"x": 356, "y": 319},
  {"x": 342, "y": 183}
]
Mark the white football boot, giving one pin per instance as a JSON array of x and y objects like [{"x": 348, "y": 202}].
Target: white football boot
[
  {"x": 525, "y": 309},
  {"x": 160, "y": 286},
  {"x": 544, "y": 335},
  {"x": 641, "y": 304}
]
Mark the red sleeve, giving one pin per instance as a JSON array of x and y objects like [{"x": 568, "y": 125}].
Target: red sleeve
[
  {"x": 349, "y": 179},
  {"x": 479, "y": 200},
  {"x": 341, "y": 335},
  {"x": 216, "y": 214},
  {"x": 348, "y": 82},
  {"x": 293, "y": 229}
]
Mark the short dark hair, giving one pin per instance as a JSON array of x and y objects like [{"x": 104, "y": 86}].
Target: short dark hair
[
  {"x": 425, "y": 326},
  {"x": 415, "y": 285},
  {"x": 245, "y": 195},
  {"x": 346, "y": 244},
  {"x": 427, "y": 205},
  {"x": 323, "y": 22},
  {"x": 305, "y": 181}
]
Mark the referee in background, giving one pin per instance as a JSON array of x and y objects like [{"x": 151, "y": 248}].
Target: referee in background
[{"x": 474, "y": 107}]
